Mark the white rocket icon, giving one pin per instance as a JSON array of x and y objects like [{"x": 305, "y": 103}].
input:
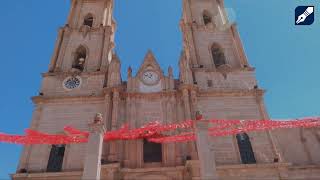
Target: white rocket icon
[{"x": 304, "y": 15}]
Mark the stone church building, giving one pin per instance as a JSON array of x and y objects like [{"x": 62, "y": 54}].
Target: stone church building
[{"x": 215, "y": 78}]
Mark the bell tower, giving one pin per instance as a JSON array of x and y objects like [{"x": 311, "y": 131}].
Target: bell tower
[
  {"x": 212, "y": 45},
  {"x": 83, "y": 50},
  {"x": 215, "y": 71},
  {"x": 72, "y": 90},
  {"x": 84, "y": 44}
]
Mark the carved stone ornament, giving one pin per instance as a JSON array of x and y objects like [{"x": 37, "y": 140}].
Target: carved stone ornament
[
  {"x": 129, "y": 72},
  {"x": 85, "y": 29},
  {"x": 224, "y": 70},
  {"x": 98, "y": 118}
]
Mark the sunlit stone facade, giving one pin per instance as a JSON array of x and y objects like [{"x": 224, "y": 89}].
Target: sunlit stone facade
[{"x": 215, "y": 79}]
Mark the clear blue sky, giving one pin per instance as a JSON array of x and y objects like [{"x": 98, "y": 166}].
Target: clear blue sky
[{"x": 285, "y": 56}]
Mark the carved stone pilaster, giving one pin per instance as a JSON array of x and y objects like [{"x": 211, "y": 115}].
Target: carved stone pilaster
[
  {"x": 272, "y": 139},
  {"x": 57, "y": 48},
  {"x": 185, "y": 97},
  {"x": 108, "y": 45},
  {"x": 107, "y": 122},
  {"x": 187, "y": 112},
  {"x": 305, "y": 145},
  {"x": 63, "y": 47},
  {"x": 113, "y": 153},
  {"x": 115, "y": 109},
  {"x": 107, "y": 102},
  {"x": 194, "y": 103}
]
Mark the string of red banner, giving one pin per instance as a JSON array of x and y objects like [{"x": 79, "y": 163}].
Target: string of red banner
[{"x": 158, "y": 133}]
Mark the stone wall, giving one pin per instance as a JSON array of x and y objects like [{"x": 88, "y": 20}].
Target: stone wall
[
  {"x": 53, "y": 117},
  {"x": 92, "y": 84}
]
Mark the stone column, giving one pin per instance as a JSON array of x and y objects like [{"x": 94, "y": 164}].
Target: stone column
[
  {"x": 205, "y": 152},
  {"x": 274, "y": 142},
  {"x": 106, "y": 48},
  {"x": 194, "y": 104},
  {"x": 187, "y": 115},
  {"x": 115, "y": 109},
  {"x": 107, "y": 103},
  {"x": 127, "y": 143},
  {"x": 306, "y": 149},
  {"x": 92, "y": 164},
  {"x": 63, "y": 48},
  {"x": 115, "y": 112},
  {"x": 185, "y": 96},
  {"x": 71, "y": 14},
  {"x": 56, "y": 52}
]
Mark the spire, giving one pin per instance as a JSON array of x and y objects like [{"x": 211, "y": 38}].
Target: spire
[
  {"x": 170, "y": 72},
  {"x": 115, "y": 59},
  {"x": 149, "y": 62},
  {"x": 185, "y": 70},
  {"x": 129, "y": 72}
]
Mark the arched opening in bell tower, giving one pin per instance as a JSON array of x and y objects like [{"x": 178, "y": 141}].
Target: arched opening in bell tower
[
  {"x": 218, "y": 55},
  {"x": 206, "y": 17},
  {"x": 88, "y": 20},
  {"x": 80, "y": 58}
]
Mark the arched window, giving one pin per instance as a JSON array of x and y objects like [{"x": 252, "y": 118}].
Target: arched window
[
  {"x": 56, "y": 158},
  {"x": 152, "y": 152},
  {"x": 206, "y": 17},
  {"x": 245, "y": 148},
  {"x": 88, "y": 20},
  {"x": 218, "y": 55},
  {"x": 80, "y": 58}
]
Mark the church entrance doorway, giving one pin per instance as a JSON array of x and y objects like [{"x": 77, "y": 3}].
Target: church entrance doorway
[{"x": 152, "y": 152}]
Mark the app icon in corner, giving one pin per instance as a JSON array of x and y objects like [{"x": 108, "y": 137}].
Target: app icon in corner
[{"x": 304, "y": 15}]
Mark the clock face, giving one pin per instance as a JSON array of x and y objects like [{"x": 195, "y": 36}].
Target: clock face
[
  {"x": 150, "y": 77},
  {"x": 71, "y": 83}
]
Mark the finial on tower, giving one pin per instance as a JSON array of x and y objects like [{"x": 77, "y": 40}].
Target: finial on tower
[
  {"x": 129, "y": 72},
  {"x": 170, "y": 72}
]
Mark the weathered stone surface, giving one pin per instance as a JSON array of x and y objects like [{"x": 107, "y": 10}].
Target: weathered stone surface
[{"x": 227, "y": 92}]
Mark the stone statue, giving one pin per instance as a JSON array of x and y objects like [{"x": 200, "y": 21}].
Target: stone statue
[{"x": 98, "y": 118}]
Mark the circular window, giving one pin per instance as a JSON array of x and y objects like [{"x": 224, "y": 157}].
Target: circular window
[{"x": 71, "y": 83}]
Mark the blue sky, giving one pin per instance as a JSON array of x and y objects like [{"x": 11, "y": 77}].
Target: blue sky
[{"x": 284, "y": 55}]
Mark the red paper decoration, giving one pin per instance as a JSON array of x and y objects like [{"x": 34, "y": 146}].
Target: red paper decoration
[{"x": 154, "y": 131}]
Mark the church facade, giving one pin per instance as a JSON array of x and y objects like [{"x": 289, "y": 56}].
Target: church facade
[{"x": 215, "y": 78}]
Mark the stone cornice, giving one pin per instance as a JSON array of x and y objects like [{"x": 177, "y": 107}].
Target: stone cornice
[
  {"x": 155, "y": 95},
  {"x": 64, "y": 74},
  {"x": 155, "y": 169},
  {"x": 58, "y": 99},
  {"x": 46, "y": 174},
  {"x": 192, "y": 163},
  {"x": 188, "y": 87},
  {"x": 171, "y": 93},
  {"x": 304, "y": 167},
  {"x": 213, "y": 69},
  {"x": 92, "y": 29},
  {"x": 231, "y": 93}
]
